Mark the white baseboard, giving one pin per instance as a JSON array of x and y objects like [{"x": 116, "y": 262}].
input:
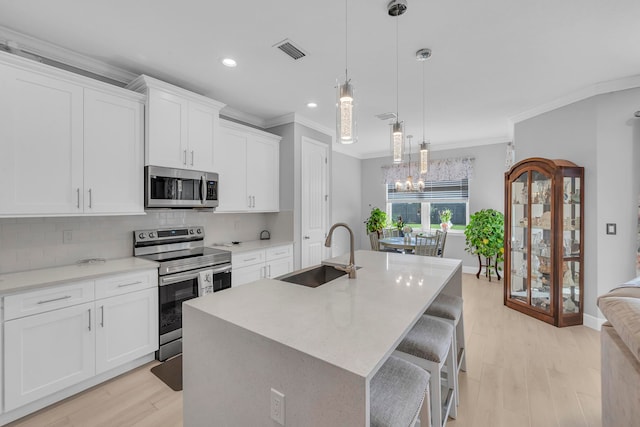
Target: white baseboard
[
  {"x": 469, "y": 270},
  {"x": 592, "y": 321}
]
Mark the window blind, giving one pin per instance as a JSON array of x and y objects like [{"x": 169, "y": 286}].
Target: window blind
[{"x": 433, "y": 190}]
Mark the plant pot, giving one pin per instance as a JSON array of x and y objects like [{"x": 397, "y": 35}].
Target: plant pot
[{"x": 445, "y": 226}]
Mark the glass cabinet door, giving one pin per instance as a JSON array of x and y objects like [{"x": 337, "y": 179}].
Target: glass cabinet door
[
  {"x": 541, "y": 241},
  {"x": 519, "y": 238},
  {"x": 571, "y": 246}
]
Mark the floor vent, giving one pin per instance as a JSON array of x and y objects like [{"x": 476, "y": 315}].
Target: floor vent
[{"x": 290, "y": 49}]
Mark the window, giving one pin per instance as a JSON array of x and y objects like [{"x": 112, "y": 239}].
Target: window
[{"x": 421, "y": 209}]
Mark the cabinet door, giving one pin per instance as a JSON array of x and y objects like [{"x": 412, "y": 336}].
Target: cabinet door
[
  {"x": 113, "y": 142},
  {"x": 126, "y": 328},
  {"x": 243, "y": 275},
  {"x": 167, "y": 133},
  {"x": 41, "y": 144},
  {"x": 48, "y": 352},
  {"x": 263, "y": 174},
  {"x": 231, "y": 165},
  {"x": 278, "y": 267},
  {"x": 203, "y": 123}
]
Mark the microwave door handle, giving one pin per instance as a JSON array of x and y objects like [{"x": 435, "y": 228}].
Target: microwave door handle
[{"x": 203, "y": 189}]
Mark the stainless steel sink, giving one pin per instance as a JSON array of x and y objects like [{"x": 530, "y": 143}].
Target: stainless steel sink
[{"x": 313, "y": 276}]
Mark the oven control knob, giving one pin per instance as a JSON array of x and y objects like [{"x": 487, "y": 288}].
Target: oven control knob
[
  {"x": 191, "y": 231},
  {"x": 151, "y": 235},
  {"x": 199, "y": 231},
  {"x": 141, "y": 236}
]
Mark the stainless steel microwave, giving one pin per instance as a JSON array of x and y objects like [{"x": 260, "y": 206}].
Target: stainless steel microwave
[{"x": 180, "y": 188}]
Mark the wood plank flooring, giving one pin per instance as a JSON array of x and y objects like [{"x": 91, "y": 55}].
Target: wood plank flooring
[{"x": 520, "y": 372}]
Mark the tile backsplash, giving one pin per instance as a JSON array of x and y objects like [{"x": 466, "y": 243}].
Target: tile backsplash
[{"x": 31, "y": 243}]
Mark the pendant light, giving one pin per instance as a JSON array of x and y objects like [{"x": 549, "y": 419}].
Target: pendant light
[
  {"x": 422, "y": 55},
  {"x": 397, "y": 8},
  {"x": 345, "y": 112},
  {"x": 408, "y": 185}
]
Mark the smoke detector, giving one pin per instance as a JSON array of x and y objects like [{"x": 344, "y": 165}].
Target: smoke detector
[{"x": 397, "y": 7}]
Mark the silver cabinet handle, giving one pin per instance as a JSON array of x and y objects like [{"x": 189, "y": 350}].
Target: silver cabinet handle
[
  {"x": 102, "y": 316},
  {"x": 184, "y": 157},
  {"x": 89, "y": 319},
  {"x": 249, "y": 201},
  {"x": 78, "y": 198},
  {"x": 130, "y": 284},
  {"x": 191, "y": 157},
  {"x": 269, "y": 267},
  {"x": 306, "y": 237},
  {"x": 249, "y": 259},
  {"x": 90, "y": 198},
  {"x": 54, "y": 299}
]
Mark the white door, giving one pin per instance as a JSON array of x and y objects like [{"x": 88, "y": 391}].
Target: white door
[
  {"x": 314, "y": 201},
  {"x": 263, "y": 158},
  {"x": 126, "y": 328},
  {"x": 203, "y": 121},
  {"x": 231, "y": 165},
  {"x": 167, "y": 136},
  {"x": 113, "y": 142},
  {"x": 40, "y": 144},
  {"x": 49, "y": 352}
]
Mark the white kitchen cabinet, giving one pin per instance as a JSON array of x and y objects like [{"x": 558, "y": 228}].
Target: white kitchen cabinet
[
  {"x": 62, "y": 136},
  {"x": 126, "y": 328},
  {"x": 247, "y": 162},
  {"x": 113, "y": 135},
  {"x": 48, "y": 352},
  {"x": 258, "y": 264},
  {"x": 181, "y": 126},
  {"x": 59, "y": 336}
]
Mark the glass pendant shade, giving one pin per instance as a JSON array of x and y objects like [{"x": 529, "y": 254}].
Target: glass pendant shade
[
  {"x": 397, "y": 140},
  {"x": 424, "y": 157},
  {"x": 346, "y": 114}
]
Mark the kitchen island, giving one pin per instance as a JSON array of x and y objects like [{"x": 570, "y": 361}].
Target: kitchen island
[{"x": 319, "y": 347}]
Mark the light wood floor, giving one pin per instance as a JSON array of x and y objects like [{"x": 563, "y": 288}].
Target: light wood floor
[{"x": 520, "y": 372}]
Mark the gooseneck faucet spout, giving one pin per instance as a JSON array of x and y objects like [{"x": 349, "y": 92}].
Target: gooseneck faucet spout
[{"x": 351, "y": 268}]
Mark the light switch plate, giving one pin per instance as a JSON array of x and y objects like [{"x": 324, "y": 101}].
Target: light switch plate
[{"x": 611, "y": 228}]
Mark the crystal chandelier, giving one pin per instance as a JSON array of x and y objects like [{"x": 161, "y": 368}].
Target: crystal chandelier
[
  {"x": 397, "y": 8},
  {"x": 422, "y": 55}
]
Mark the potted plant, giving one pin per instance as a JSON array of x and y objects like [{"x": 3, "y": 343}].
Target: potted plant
[
  {"x": 377, "y": 221},
  {"x": 445, "y": 219},
  {"x": 400, "y": 225},
  {"x": 485, "y": 238}
]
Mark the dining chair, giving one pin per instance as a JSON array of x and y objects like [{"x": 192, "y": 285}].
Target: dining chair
[
  {"x": 375, "y": 243},
  {"x": 441, "y": 241},
  {"x": 427, "y": 245},
  {"x": 390, "y": 232}
]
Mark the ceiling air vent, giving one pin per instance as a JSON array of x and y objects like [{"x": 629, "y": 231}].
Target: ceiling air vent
[
  {"x": 386, "y": 116},
  {"x": 290, "y": 49}
]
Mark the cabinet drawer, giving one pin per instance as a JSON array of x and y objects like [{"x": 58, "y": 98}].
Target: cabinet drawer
[
  {"x": 247, "y": 258},
  {"x": 125, "y": 283},
  {"x": 47, "y": 299},
  {"x": 279, "y": 252}
]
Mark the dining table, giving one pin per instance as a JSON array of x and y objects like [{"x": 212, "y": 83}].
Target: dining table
[{"x": 408, "y": 246}]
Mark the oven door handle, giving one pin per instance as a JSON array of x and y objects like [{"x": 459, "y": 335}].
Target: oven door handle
[
  {"x": 178, "y": 278},
  {"x": 223, "y": 269}
]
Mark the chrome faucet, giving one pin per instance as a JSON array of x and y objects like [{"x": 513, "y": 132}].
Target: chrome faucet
[{"x": 351, "y": 267}]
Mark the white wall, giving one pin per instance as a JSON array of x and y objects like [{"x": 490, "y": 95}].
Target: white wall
[
  {"x": 32, "y": 243},
  {"x": 600, "y": 134},
  {"x": 345, "y": 203},
  {"x": 486, "y": 191}
]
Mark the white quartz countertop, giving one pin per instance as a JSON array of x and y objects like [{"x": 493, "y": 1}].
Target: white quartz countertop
[
  {"x": 351, "y": 323},
  {"x": 24, "y": 280},
  {"x": 251, "y": 245}
]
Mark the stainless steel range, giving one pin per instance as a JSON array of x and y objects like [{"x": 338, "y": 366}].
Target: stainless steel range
[{"x": 187, "y": 270}]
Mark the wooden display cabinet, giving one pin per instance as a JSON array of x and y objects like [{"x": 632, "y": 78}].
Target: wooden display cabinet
[{"x": 544, "y": 231}]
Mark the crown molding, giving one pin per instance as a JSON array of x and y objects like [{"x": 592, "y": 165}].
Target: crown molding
[
  {"x": 250, "y": 119},
  {"x": 451, "y": 145},
  {"x": 65, "y": 56},
  {"x": 301, "y": 120},
  {"x": 600, "y": 88},
  {"x": 343, "y": 149}
]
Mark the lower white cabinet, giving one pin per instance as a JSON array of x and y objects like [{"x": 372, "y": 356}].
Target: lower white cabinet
[
  {"x": 126, "y": 328},
  {"x": 261, "y": 263},
  {"x": 54, "y": 338},
  {"x": 48, "y": 352}
]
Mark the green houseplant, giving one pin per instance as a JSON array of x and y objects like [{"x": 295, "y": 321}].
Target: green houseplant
[
  {"x": 445, "y": 219},
  {"x": 485, "y": 238},
  {"x": 377, "y": 221}
]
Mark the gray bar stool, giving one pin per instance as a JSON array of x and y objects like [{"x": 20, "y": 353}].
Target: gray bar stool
[
  {"x": 449, "y": 308},
  {"x": 429, "y": 344},
  {"x": 397, "y": 393}
]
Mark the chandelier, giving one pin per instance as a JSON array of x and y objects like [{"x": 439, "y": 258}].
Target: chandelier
[{"x": 409, "y": 185}]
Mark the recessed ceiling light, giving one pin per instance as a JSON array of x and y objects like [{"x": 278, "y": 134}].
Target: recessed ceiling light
[
  {"x": 229, "y": 62},
  {"x": 312, "y": 105}
]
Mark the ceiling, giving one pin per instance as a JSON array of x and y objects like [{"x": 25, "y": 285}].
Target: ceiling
[{"x": 492, "y": 60}]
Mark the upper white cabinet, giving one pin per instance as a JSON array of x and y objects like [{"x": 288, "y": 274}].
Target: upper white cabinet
[
  {"x": 62, "y": 136},
  {"x": 247, "y": 162},
  {"x": 181, "y": 126}
]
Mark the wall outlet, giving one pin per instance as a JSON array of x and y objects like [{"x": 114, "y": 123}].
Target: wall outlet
[
  {"x": 67, "y": 236},
  {"x": 236, "y": 224},
  {"x": 277, "y": 406}
]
